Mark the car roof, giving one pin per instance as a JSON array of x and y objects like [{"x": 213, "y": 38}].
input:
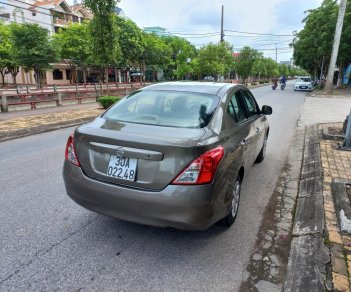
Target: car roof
[{"x": 213, "y": 88}]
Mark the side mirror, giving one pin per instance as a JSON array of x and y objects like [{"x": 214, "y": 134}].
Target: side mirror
[{"x": 266, "y": 110}]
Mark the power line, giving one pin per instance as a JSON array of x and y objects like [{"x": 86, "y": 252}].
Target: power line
[
  {"x": 263, "y": 34},
  {"x": 184, "y": 31},
  {"x": 270, "y": 44},
  {"x": 204, "y": 36},
  {"x": 196, "y": 34},
  {"x": 279, "y": 53}
]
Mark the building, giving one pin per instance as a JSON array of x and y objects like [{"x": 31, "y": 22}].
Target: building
[
  {"x": 158, "y": 30},
  {"x": 18, "y": 11},
  {"x": 51, "y": 15}
]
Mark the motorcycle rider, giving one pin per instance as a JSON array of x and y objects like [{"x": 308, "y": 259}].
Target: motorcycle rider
[
  {"x": 283, "y": 80},
  {"x": 274, "y": 82}
]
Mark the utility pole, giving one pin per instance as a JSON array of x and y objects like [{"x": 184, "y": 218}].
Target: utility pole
[
  {"x": 339, "y": 24},
  {"x": 222, "y": 31}
]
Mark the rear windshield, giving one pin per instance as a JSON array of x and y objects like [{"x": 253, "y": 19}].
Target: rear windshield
[
  {"x": 165, "y": 108},
  {"x": 304, "y": 79}
]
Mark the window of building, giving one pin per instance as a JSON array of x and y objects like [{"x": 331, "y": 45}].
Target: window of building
[
  {"x": 68, "y": 74},
  {"x": 4, "y": 15},
  {"x": 57, "y": 74}
]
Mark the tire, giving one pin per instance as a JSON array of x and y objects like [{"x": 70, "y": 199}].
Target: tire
[
  {"x": 235, "y": 199},
  {"x": 262, "y": 153}
]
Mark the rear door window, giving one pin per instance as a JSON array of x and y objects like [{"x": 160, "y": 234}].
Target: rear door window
[
  {"x": 236, "y": 108},
  {"x": 251, "y": 106}
]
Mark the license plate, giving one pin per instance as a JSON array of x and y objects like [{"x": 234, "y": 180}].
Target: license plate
[
  {"x": 303, "y": 87},
  {"x": 122, "y": 167}
]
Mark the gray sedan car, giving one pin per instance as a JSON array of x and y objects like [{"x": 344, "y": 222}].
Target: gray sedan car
[{"x": 170, "y": 155}]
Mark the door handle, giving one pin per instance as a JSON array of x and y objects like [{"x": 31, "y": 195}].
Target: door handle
[
  {"x": 257, "y": 129},
  {"x": 243, "y": 143}
]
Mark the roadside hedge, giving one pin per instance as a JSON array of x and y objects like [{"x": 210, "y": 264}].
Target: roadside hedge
[{"x": 107, "y": 101}]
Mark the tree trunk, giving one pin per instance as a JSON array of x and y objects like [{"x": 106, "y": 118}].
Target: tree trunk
[
  {"x": 72, "y": 72},
  {"x": 14, "y": 77},
  {"x": 37, "y": 77},
  {"x": 84, "y": 75},
  {"x": 14, "y": 71},
  {"x": 102, "y": 74},
  {"x": 2, "y": 72},
  {"x": 143, "y": 77}
]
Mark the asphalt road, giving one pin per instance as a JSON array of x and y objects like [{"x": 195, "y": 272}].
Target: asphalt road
[{"x": 47, "y": 242}]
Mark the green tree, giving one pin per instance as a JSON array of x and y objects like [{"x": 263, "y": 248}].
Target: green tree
[
  {"x": 259, "y": 68},
  {"x": 183, "y": 52},
  {"x": 283, "y": 70},
  {"x": 104, "y": 31},
  {"x": 5, "y": 50},
  {"x": 272, "y": 67},
  {"x": 33, "y": 49},
  {"x": 157, "y": 53},
  {"x": 245, "y": 62},
  {"x": 295, "y": 71},
  {"x": 8, "y": 64},
  {"x": 131, "y": 42},
  {"x": 74, "y": 46},
  {"x": 214, "y": 60},
  {"x": 314, "y": 42}
]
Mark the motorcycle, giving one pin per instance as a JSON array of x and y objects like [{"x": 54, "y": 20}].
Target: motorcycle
[
  {"x": 282, "y": 86},
  {"x": 274, "y": 86}
]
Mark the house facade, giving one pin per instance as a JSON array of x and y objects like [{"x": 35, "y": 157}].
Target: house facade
[{"x": 51, "y": 15}]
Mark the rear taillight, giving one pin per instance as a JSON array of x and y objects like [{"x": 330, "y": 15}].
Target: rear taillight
[
  {"x": 202, "y": 170},
  {"x": 70, "y": 153}
]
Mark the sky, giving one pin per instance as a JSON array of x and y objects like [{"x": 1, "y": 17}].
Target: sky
[{"x": 200, "y": 21}]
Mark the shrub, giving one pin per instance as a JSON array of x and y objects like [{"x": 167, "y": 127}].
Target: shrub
[
  {"x": 107, "y": 101},
  {"x": 261, "y": 82}
]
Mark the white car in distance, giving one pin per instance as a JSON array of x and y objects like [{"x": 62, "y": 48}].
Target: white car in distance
[{"x": 303, "y": 83}]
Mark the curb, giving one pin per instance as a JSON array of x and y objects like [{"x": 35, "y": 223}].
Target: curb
[{"x": 308, "y": 258}]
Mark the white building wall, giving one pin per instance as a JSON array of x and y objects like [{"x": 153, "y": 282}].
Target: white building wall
[{"x": 19, "y": 13}]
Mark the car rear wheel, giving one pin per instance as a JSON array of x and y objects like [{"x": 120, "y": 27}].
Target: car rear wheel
[
  {"x": 262, "y": 153},
  {"x": 235, "y": 198}
]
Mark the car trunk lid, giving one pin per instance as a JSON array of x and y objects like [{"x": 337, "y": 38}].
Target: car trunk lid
[{"x": 134, "y": 155}]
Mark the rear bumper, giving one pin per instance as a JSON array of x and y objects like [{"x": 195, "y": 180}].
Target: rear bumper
[{"x": 181, "y": 207}]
